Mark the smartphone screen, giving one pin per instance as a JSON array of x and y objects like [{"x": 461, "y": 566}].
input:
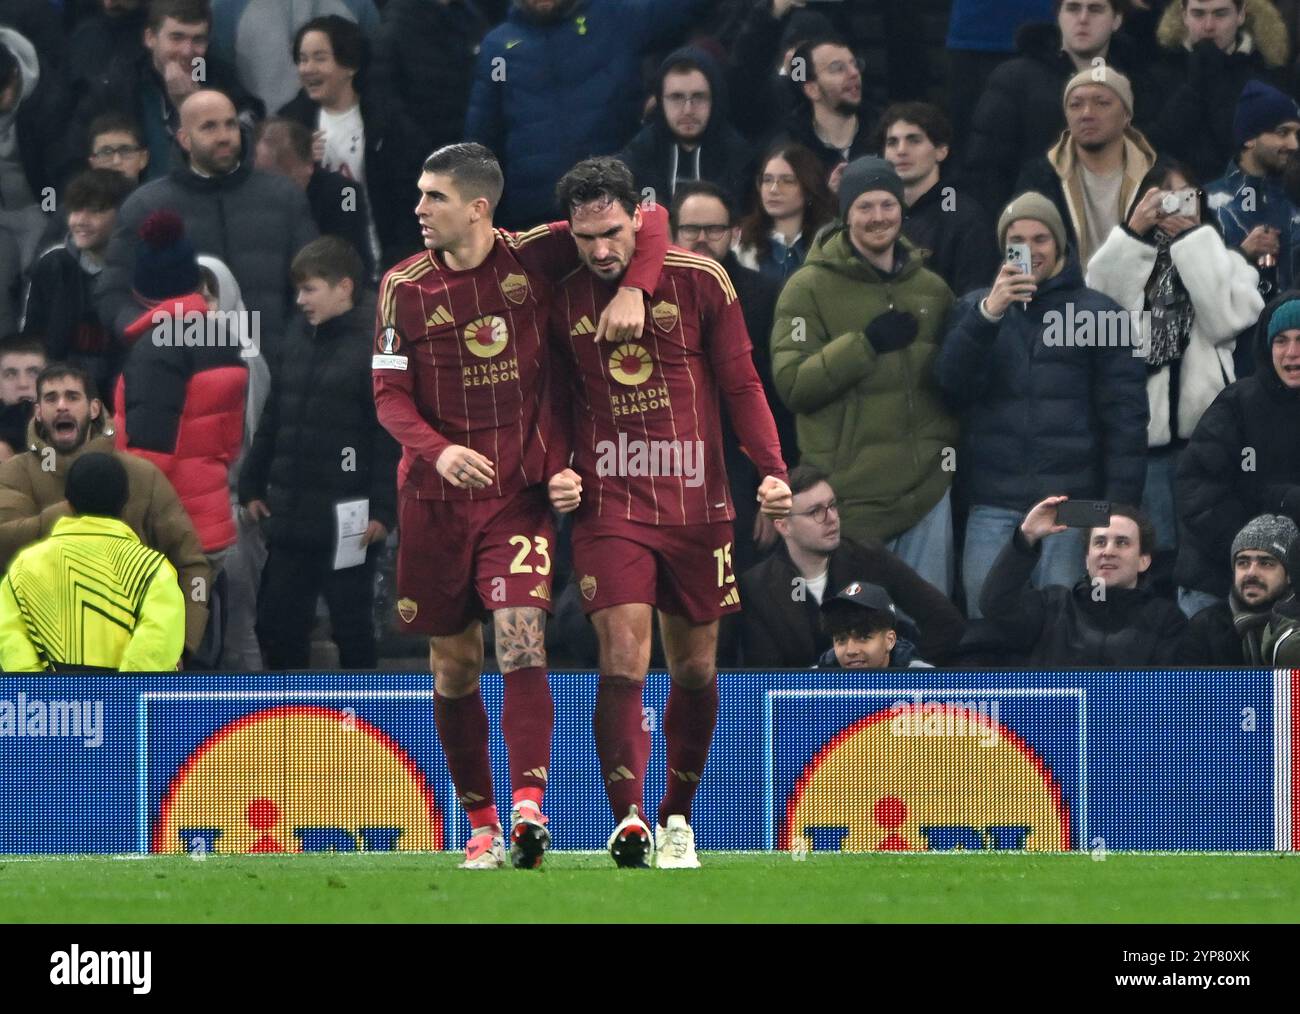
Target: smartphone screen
[{"x": 1083, "y": 513}]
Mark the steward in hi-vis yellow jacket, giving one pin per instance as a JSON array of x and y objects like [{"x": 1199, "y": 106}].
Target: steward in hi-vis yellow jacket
[{"x": 91, "y": 596}]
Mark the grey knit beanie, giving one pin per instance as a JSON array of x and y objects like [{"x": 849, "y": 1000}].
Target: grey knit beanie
[{"x": 1274, "y": 534}]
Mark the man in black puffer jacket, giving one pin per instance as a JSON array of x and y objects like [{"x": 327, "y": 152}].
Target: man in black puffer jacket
[
  {"x": 689, "y": 136},
  {"x": 1243, "y": 459},
  {"x": 253, "y": 221},
  {"x": 1019, "y": 114},
  {"x": 1106, "y": 621},
  {"x": 320, "y": 443},
  {"x": 1042, "y": 412}
]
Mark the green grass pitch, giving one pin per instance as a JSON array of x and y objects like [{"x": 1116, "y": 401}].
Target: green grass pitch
[{"x": 583, "y": 887}]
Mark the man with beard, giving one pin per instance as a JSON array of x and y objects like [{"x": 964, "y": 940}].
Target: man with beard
[
  {"x": 1232, "y": 632},
  {"x": 1250, "y": 203},
  {"x": 1093, "y": 173},
  {"x": 252, "y": 221},
  {"x": 830, "y": 122},
  {"x": 70, "y": 423},
  {"x": 856, "y": 337}
]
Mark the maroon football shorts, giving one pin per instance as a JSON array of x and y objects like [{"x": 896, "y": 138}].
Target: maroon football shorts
[
  {"x": 683, "y": 570},
  {"x": 457, "y": 560}
]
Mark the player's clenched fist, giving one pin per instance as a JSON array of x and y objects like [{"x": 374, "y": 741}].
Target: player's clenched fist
[
  {"x": 774, "y": 497},
  {"x": 465, "y": 468},
  {"x": 565, "y": 490}
]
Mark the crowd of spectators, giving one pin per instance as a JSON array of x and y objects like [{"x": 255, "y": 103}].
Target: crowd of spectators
[{"x": 1052, "y": 260}]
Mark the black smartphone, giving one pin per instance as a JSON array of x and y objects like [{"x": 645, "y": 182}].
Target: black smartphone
[{"x": 1083, "y": 513}]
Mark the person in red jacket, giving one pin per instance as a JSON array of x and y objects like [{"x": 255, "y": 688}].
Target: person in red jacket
[{"x": 180, "y": 399}]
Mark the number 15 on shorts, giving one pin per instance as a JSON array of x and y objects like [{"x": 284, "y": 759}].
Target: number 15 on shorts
[{"x": 723, "y": 558}]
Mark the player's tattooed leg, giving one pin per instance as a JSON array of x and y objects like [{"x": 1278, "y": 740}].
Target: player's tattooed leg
[{"x": 520, "y": 638}]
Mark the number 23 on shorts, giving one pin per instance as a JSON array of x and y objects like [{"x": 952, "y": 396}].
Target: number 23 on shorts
[
  {"x": 723, "y": 558},
  {"x": 539, "y": 545}
]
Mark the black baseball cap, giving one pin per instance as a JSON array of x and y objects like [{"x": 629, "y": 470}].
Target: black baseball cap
[{"x": 861, "y": 593}]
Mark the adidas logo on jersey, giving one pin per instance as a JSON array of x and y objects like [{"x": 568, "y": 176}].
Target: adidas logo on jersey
[
  {"x": 541, "y": 592},
  {"x": 620, "y": 774},
  {"x": 732, "y": 598},
  {"x": 584, "y": 326},
  {"x": 438, "y": 318}
]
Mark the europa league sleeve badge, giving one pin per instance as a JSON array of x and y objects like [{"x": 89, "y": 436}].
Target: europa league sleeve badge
[{"x": 388, "y": 346}]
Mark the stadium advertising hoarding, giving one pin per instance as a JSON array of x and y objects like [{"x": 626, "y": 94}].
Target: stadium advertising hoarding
[{"x": 918, "y": 760}]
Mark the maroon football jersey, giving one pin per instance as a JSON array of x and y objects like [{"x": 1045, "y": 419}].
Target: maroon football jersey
[
  {"x": 460, "y": 356},
  {"x": 643, "y": 417}
]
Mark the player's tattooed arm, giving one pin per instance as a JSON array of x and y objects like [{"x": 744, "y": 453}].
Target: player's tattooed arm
[{"x": 520, "y": 638}]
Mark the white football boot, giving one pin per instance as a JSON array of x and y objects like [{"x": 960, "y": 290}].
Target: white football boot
[
  {"x": 485, "y": 850},
  {"x": 675, "y": 845}
]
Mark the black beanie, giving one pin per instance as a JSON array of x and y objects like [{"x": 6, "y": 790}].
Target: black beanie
[
  {"x": 165, "y": 263},
  {"x": 868, "y": 173},
  {"x": 97, "y": 484}
]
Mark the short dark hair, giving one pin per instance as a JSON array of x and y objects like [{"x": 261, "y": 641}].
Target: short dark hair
[
  {"x": 187, "y": 12},
  {"x": 699, "y": 188},
  {"x": 474, "y": 169},
  {"x": 1146, "y": 530},
  {"x": 97, "y": 190},
  {"x": 21, "y": 344},
  {"x": 602, "y": 179},
  {"x": 286, "y": 137},
  {"x": 848, "y": 619},
  {"x": 346, "y": 42},
  {"x": 930, "y": 118},
  {"x": 1236, "y": 3},
  {"x": 113, "y": 122},
  {"x": 331, "y": 258},
  {"x": 804, "y": 52},
  {"x": 805, "y": 477},
  {"x": 97, "y": 484},
  {"x": 57, "y": 371}
]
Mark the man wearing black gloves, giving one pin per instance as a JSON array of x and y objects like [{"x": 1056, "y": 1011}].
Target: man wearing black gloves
[{"x": 854, "y": 345}]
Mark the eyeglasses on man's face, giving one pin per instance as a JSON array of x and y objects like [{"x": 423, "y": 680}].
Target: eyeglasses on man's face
[
  {"x": 711, "y": 231},
  {"x": 819, "y": 513}
]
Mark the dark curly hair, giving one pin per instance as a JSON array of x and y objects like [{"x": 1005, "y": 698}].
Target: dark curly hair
[{"x": 597, "y": 180}]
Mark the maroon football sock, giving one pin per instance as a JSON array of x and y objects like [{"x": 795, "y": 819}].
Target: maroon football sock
[
  {"x": 622, "y": 743},
  {"x": 689, "y": 719},
  {"x": 463, "y": 729},
  {"x": 527, "y": 720}
]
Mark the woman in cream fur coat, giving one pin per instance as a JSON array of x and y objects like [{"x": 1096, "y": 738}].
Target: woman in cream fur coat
[{"x": 1197, "y": 296}]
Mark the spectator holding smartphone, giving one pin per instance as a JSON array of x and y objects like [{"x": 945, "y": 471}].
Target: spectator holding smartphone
[
  {"x": 1041, "y": 412},
  {"x": 1108, "y": 620},
  {"x": 1197, "y": 295}
]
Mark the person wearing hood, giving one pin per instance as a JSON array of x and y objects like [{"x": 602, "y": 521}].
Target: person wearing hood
[
  {"x": 1243, "y": 459},
  {"x": 1041, "y": 412},
  {"x": 70, "y": 422},
  {"x": 30, "y": 141},
  {"x": 180, "y": 403},
  {"x": 253, "y": 221},
  {"x": 689, "y": 137},
  {"x": 243, "y": 564},
  {"x": 560, "y": 81},
  {"x": 1234, "y": 632},
  {"x": 862, "y": 624},
  {"x": 1092, "y": 174},
  {"x": 1018, "y": 117},
  {"x": 854, "y": 344},
  {"x": 1106, "y": 620},
  {"x": 1211, "y": 49},
  {"x": 60, "y": 307}
]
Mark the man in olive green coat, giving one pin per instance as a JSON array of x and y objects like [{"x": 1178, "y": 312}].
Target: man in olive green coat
[{"x": 853, "y": 348}]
